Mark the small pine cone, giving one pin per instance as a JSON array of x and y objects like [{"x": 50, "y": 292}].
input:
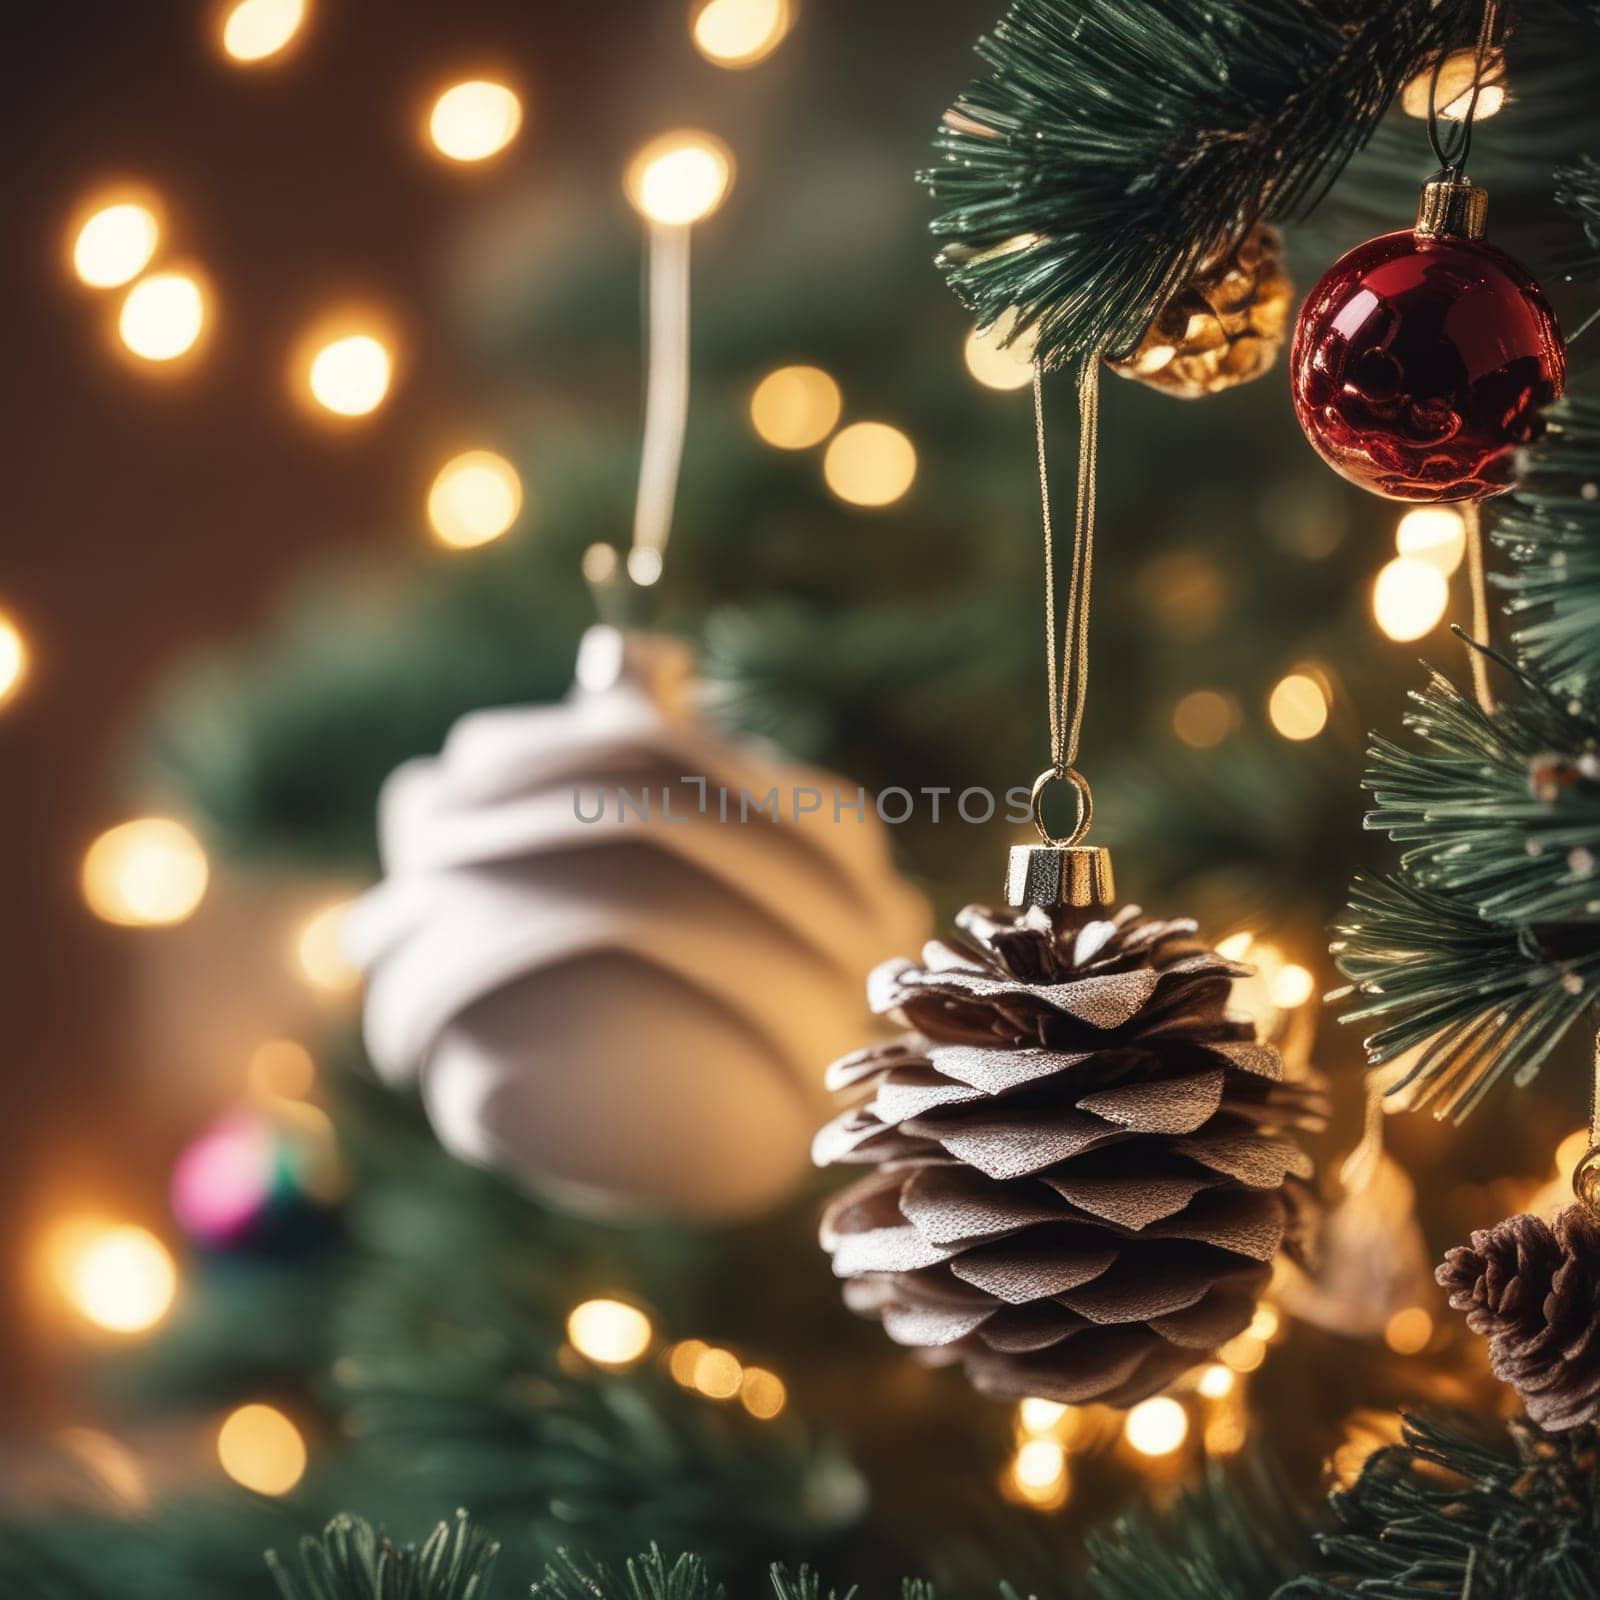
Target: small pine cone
[
  {"x": 1225, "y": 326},
  {"x": 1080, "y": 1177},
  {"x": 1533, "y": 1291}
]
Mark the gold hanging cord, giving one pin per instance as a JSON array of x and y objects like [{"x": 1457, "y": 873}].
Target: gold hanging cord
[{"x": 1067, "y": 653}]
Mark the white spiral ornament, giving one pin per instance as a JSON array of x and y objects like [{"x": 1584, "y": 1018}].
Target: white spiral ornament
[{"x": 626, "y": 1012}]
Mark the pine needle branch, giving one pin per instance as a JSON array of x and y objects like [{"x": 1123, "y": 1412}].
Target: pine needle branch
[
  {"x": 352, "y": 1560},
  {"x": 1448, "y": 1512},
  {"x": 1117, "y": 143}
]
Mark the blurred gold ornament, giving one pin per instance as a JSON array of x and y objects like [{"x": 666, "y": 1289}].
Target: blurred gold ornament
[{"x": 1224, "y": 327}]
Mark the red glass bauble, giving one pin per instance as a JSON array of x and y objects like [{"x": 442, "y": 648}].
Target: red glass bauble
[{"x": 1421, "y": 363}]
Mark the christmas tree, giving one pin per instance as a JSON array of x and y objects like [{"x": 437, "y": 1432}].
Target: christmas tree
[{"x": 552, "y": 1316}]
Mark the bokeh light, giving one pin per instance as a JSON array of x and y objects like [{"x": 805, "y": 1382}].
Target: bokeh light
[
  {"x": 350, "y": 375},
  {"x": 739, "y": 33},
  {"x": 610, "y": 1333},
  {"x": 1434, "y": 535},
  {"x": 683, "y": 1358},
  {"x": 1454, "y": 93},
  {"x": 679, "y": 178},
  {"x": 1408, "y": 598},
  {"x": 1039, "y": 1416},
  {"x": 319, "y": 950},
  {"x": 718, "y": 1374},
  {"x": 115, "y": 244},
  {"x": 599, "y": 563},
  {"x": 1205, "y": 717},
  {"x": 795, "y": 407},
  {"x": 282, "y": 1069},
  {"x": 148, "y": 873},
  {"x": 762, "y": 1393},
  {"x": 1407, "y": 1332},
  {"x": 870, "y": 464},
  {"x": 1298, "y": 706},
  {"x": 1216, "y": 1382},
  {"x": 119, "y": 1277},
  {"x": 474, "y": 499},
  {"x": 257, "y": 30},
  {"x": 13, "y": 659},
  {"x": 474, "y": 120},
  {"x": 261, "y": 1449},
  {"x": 1291, "y": 985},
  {"x": 162, "y": 316},
  {"x": 1156, "y": 1427},
  {"x": 1040, "y": 1464},
  {"x": 1010, "y": 367},
  {"x": 644, "y": 566}
]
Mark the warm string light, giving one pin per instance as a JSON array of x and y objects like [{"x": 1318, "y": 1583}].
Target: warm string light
[
  {"x": 1298, "y": 706},
  {"x": 996, "y": 364},
  {"x": 1408, "y": 598},
  {"x": 257, "y": 30},
  {"x": 679, "y": 178},
  {"x": 869, "y": 464},
  {"x": 1408, "y": 1332},
  {"x": 318, "y": 950},
  {"x": 13, "y": 659},
  {"x": 794, "y": 408},
  {"x": 719, "y": 1375},
  {"x": 610, "y": 1333},
  {"x": 1157, "y": 1427},
  {"x": 115, "y": 243},
  {"x": 281, "y": 1069},
  {"x": 740, "y": 33},
  {"x": 475, "y": 119},
  {"x": 474, "y": 499},
  {"x": 116, "y": 1276},
  {"x": 148, "y": 873},
  {"x": 1205, "y": 717},
  {"x": 1433, "y": 535},
  {"x": 162, "y": 316},
  {"x": 261, "y": 1449},
  {"x": 350, "y": 375}
]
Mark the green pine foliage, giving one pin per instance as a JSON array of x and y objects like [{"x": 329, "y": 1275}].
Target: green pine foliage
[
  {"x": 354, "y": 1561},
  {"x": 1227, "y": 1539},
  {"x": 1485, "y": 946},
  {"x": 1450, "y": 1511},
  {"x": 1115, "y": 144}
]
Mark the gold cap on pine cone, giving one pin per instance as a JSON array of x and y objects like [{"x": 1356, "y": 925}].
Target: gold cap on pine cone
[
  {"x": 1081, "y": 1170},
  {"x": 1224, "y": 327}
]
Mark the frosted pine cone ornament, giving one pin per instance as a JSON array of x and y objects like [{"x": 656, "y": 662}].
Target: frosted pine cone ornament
[
  {"x": 624, "y": 1013},
  {"x": 1082, "y": 1168}
]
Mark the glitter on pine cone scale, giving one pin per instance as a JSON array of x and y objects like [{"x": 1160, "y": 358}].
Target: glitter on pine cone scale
[{"x": 1081, "y": 1173}]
